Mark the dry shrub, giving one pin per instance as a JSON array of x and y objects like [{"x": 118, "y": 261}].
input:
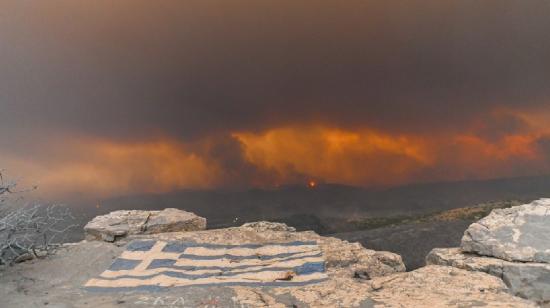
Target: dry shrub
[{"x": 29, "y": 230}]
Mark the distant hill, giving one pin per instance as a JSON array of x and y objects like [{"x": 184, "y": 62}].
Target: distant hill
[
  {"x": 305, "y": 207},
  {"x": 409, "y": 220},
  {"x": 413, "y": 237}
]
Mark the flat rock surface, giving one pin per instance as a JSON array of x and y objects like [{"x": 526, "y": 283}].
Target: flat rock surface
[
  {"x": 442, "y": 286},
  {"x": 520, "y": 233},
  {"x": 357, "y": 277},
  {"x": 528, "y": 280},
  {"x": 118, "y": 224}
]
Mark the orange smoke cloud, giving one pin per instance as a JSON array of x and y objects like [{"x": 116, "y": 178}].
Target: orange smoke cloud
[
  {"x": 335, "y": 155},
  {"x": 308, "y": 153},
  {"x": 106, "y": 168},
  {"x": 365, "y": 156},
  {"x": 509, "y": 147}
]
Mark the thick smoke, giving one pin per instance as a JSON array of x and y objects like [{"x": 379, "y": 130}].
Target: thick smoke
[{"x": 138, "y": 71}]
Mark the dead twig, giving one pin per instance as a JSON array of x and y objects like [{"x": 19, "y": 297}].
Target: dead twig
[{"x": 29, "y": 231}]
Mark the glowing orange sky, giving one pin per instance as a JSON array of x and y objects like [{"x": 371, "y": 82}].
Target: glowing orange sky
[
  {"x": 334, "y": 155},
  {"x": 104, "y": 98},
  {"x": 286, "y": 154}
]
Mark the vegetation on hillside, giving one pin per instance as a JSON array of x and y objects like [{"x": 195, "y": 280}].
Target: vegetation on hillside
[{"x": 475, "y": 212}]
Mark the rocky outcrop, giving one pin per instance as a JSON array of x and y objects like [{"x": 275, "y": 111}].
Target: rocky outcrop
[
  {"x": 528, "y": 280},
  {"x": 512, "y": 244},
  {"x": 260, "y": 226},
  {"x": 342, "y": 258},
  {"x": 442, "y": 286},
  {"x": 431, "y": 286},
  {"x": 520, "y": 233},
  {"x": 120, "y": 224},
  {"x": 357, "y": 277}
]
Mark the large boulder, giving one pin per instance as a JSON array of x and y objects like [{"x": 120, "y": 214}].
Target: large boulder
[
  {"x": 526, "y": 279},
  {"x": 512, "y": 244},
  {"x": 120, "y": 224},
  {"x": 520, "y": 233}
]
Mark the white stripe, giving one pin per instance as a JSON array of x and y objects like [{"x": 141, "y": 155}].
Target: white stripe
[
  {"x": 167, "y": 281},
  {"x": 148, "y": 258},
  {"x": 235, "y": 263},
  {"x": 148, "y": 272},
  {"x": 202, "y": 251},
  {"x": 140, "y": 255},
  {"x": 264, "y": 250}
]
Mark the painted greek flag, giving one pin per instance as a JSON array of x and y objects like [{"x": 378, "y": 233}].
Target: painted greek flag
[{"x": 152, "y": 265}]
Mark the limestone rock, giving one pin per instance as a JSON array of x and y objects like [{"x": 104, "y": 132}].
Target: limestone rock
[
  {"x": 354, "y": 260},
  {"x": 512, "y": 244},
  {"x": 357, "y": 277},
  {"x": 520, "y": 233},
  {"x": 119, "y": 224},
  {"x": 443, "y": 286},
  {"x": 432, "y": 286},
  {"x": 526, "y": 279},
  {"x": 173, "y": 220},
  {"x": 342, "y": 258},
  {"x": 261, "y": 226}
]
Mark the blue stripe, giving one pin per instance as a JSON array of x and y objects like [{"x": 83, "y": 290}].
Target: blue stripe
[
  {"x": 309, "y": 268},
  {"x": 224, "y": 268},
  {"x": 177, "y": 246},
  {"x": 140, "y": 245},
  {"x": 235, "y": 257},
  {"x": 306, "y": 268},
  {"x": 294, "y": 243},
  {"x": 158, "y": 263},
  {"x": 124, "y": 264},
  {"x": 224, "y": 284}
]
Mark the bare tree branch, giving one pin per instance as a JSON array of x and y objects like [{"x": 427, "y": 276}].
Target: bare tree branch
[{"x": 29, "y": 231}]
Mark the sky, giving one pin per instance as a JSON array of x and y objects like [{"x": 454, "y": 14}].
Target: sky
[{"x": 117, "y": 97}]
